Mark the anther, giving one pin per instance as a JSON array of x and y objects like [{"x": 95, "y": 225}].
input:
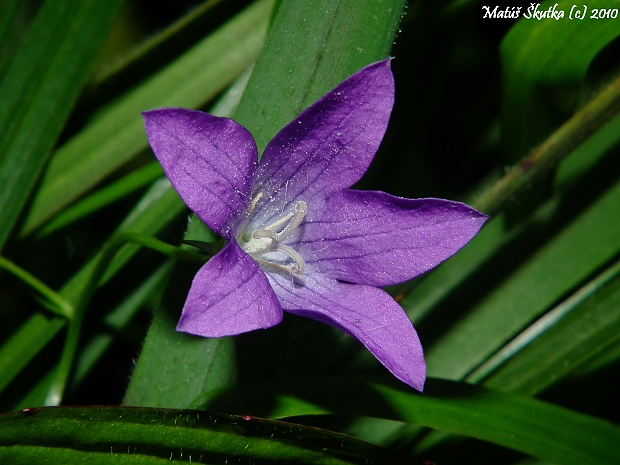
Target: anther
[{"x": 300, "y": 266}]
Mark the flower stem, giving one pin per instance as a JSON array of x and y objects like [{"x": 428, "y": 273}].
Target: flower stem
[
  {"x": 54, "y": 301},
  {"x": 546, "y": 156}
]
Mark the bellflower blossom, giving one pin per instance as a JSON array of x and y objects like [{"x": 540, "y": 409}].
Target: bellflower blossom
[{"x": 298, "y": 239}]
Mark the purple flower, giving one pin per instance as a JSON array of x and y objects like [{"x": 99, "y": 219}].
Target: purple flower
[{"x": 299, "y": 239}]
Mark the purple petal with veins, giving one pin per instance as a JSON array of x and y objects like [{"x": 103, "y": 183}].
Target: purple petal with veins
[{"x": 210, "y": 161}]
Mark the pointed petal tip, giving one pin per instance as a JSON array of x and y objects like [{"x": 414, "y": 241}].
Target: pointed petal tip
[
  {"x": 330, "y": 145},
  {"x": 164, "y": 115},
  {"x": 148, "y": 115},
  {"x": 382, "y": 68},
  {"x": 366, "y": 313},
  {"x": 412, "y": 373},
  {"x": 386, "y": 63},
  {"x": 416, "y": 380},
  {"x": 377, "y": 239},
  {"x": 167, "y": 111}
]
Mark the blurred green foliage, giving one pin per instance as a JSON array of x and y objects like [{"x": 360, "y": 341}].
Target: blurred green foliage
[{"x": 519, "y": 116}]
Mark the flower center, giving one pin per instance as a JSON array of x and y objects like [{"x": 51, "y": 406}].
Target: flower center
[{"x": 268, "y": 240}]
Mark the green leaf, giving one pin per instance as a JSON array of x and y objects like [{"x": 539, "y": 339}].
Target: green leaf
[
  {"x": 117, "y": 320},
  {"x": 532, "y": 288},
  {"x": 103, "y": 435},
  {"x": 155, "y": 210},
  {"x": 103, "y": 197},
  {"x": 313, "y": 46},
  {"x": 576, "y": 330},
  {"x": 8, "y": 10},
  {"x": 154, "y": 50},
  {"x": 39, "y": 89},
  {"x": 50, "y": 299},
  {"x": 25, "y": 344},
  {"x": 117, "y": 133},
  {"x": 520, "y": 423},
  {"x": 543, "y": 75}
]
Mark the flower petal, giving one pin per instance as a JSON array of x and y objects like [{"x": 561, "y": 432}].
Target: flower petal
[
  {"x": 230, "y": 295},
  {"x": 209, "y": 160},
  {"x": 366, "y": 313},
  {"x": 377, "y": 239},
  {"x": 329, "y": 145}
]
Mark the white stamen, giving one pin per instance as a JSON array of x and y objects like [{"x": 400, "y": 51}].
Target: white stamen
[
  {"x": 300, "y": 213},
  {"x": 255, "y": 200},
  {"x": 300, "y": 266},
  {"x": 267, "y": 240},
  {"x": 279, "y": 222},
  {"x": 265, "y": 234}
]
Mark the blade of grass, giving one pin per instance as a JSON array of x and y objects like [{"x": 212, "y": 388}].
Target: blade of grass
[
  {"x": 518, "y": 422},
  {"x": 102, "y": 435},
  {"x": 574, "y": 331},
  {"x": 540, "y": 281},
  {"x": 157, "y": 45},
  {"x": 156, "y": 209},
  {"x": 117, "y": 133},
  {"x": 543, "y": 76},
  {"x": 25, "y": 344},
  {"x": 103, "y": 197},
  {"x": 39, "y": 89},
  {"x": 116, "y": 320},
  {"x": 7, "y": 16},
  {"x": 55, "y": 302}
]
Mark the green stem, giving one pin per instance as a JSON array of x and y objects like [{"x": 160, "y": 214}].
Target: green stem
[
  {"x": 57, "y": 304},
  {"x": 61, "y": 376},
  {"x": 560, "y": 144}
]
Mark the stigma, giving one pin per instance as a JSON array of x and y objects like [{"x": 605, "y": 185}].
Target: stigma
[{"x": 267, "y": 240}]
